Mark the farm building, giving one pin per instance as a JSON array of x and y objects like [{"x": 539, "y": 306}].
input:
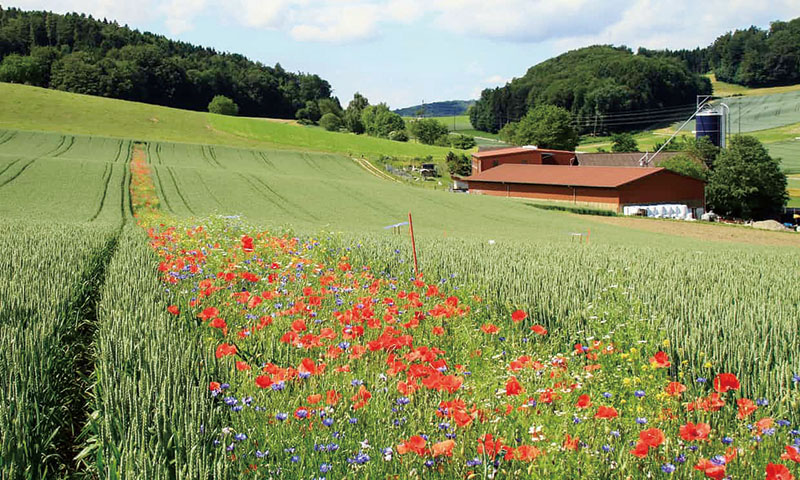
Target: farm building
[
  {"x": 608, "y": 187},
  {"x": 485, "y": 159},
  {"x": 529, "y": 155}
]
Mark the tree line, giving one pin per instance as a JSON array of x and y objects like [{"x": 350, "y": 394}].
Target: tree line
[
  {"x": 80, "y": 54},
  {"x": 604, "y": 88},
  {"x": 752, "y": 57}
]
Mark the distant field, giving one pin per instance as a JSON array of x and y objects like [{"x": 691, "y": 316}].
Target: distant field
[
  {"x": 794, "y": 190},
  {"x": 31, "y": 108},
  {"x": 461, "y": 124},
  {"x": 70, "y": 178},
  {"x": 723, "y": 89}
]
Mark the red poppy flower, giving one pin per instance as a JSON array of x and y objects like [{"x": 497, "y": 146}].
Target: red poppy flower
[
  {"x": 764, "y": 424},
  {"x": 526, "y": 453},
  {"x": 443, "y": 448},
  {"x": 652, "y": 437},
  {"x": 490, "y": 446},
  {"x": 584, "y": 401},
  {"x": 225, "y": 350},
  {"x": 242, "y": 366},
  {"x": 778, "y": 471},
  {"x": 173, "y": 309},
  {"x": 606, "y": 412},
  {"x": 640, "y": 450},
  {"x": 691, "y": 432},
  {"x": 539, "y": 330},
  {"x": 415, "y": 444},
  {"x": 660, "y": 360},
  {"x": 216, "y": 385},
  {"x": 247, "y": 243},
  {"x": 489, "y": 328},
  {"x": 518, "y": 316},
  {"x": 513, "y": 387},
  {"x": 674, "y": 389},
  {"x": 208, "y": 313},
  {"x": 712, "y": 470},
  {"x": 570, "y": 443},
  {"x": 438, "y": 331},
  {"x": 263, "y": 381},
  {"x": 746, "y": 408},
  {"x": 726, "y": 381},
  {"x": 361, "y": 398},
  {"x": 314, "y": 399},
  {"x": 792, "y": 453},
  {"x": 332, "y": 397},
  {"x": 218, "y": 323}
]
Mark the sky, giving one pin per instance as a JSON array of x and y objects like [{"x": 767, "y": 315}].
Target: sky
[{"x": 405, "y": 52}]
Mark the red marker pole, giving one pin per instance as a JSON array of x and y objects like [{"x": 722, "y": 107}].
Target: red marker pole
[{"x": 413, "y": 244}]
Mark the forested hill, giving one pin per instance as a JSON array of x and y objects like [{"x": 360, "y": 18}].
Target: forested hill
[
  {"x": 751, "y": 57},
  {"x": 601, "y": 86},
  {"x": 77, "y": 53},
  {"x": 437, "y": 109}
]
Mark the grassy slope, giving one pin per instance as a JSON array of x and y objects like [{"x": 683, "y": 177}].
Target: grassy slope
[
  {"x": 31, "y": 108},
  {"x": 723, "y": 89}
]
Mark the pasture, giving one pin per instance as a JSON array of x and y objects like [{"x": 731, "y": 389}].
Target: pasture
[{"x": 31, "y": 108}]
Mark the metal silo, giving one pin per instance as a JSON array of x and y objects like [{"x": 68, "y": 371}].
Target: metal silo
[{"x": 711, "y": 124}]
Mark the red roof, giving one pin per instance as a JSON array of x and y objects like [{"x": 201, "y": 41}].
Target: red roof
[
  {"x": 563, "y": 175},
  {"x": 514, "y": 151}
]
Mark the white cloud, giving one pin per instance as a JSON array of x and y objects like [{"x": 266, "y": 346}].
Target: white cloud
[
  {"x": 337, "y": 23},
  {"x": 566, "y": 23}
]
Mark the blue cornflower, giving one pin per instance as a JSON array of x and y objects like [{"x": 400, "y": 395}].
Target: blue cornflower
[
  {"x": 444, "y": 426},
  {"x": 327, "y": 422},
  {"x": 237, "y": 408},
  {"x": 356, "y": 382},
  {"x": 403, "y": 401},
  {"x": 353, "y": 420},
  {"x": 607, "y": 394},
  {"x": 282, "y": 416},
  {"x": 614, "y": 433},
  {"x": 783, "y": 423},
  {"x": 701, "y": 380},
  {"x": 230, "y": 401},
  {"x": 429, "y": 463},
  {"x": 474, "y": 462},
  {"x": 668, "y": 468},
  {"x": 680, "y": 458},
  {"x": 325, "y": 467},
  {"x": 727, "y": 440},
  {"x": 796, "y": 378},
  {"x": 260, "y": 454},
  {"x": 762, "y": 402},
  {"x": 639, "y": 393},
  {"x": 301, "y": 413},
  {"x": 240, "y": 437},
  {"x": 295, "y": 459},
  {"x": 303, "y": 375},
  {"x": 607, "y": 448},
  {"x": 230, "y": 447},
  {"x": 278, "y": 386},
  {"x": 576, "y": 420},
  {"x": 719, "y": 460},
  {"x": 641, "y": 420}
]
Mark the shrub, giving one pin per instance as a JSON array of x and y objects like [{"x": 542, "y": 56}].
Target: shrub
[
  {"x": 223, "y": 105},
  {"x": 330, "y": 122}
]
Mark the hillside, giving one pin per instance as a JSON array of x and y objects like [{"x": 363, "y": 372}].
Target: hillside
[
  {"x": 80, "y": 54},
  {"x": 437, "y": 109},
  {"x": 32, "y": 108},
  {"x": 592, "y": 83}
]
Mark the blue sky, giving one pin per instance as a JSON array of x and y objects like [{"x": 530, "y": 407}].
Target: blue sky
[{"x": 405, "y": 51}]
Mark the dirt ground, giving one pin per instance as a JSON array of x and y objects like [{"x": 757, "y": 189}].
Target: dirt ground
[{"x": 706, "y": 231}]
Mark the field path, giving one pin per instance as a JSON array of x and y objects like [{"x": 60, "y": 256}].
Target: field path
[
  {"x": 704, "y": 231},
  {"x": 366, "y": 165}
]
